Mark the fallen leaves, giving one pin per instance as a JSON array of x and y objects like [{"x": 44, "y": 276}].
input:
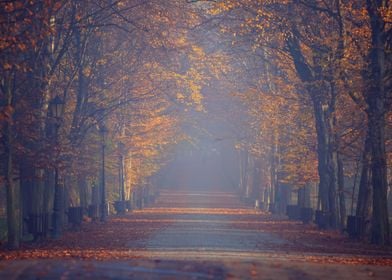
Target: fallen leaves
[
  {"x": 94, "y": 241},
  {"x": 125, "y": 237}
]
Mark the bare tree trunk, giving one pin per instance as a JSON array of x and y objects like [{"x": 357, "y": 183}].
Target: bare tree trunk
[
  {"x": 390, "y": 199},
  {"x": 82, "y": 186},
  {"x": 327, "y": 163},
  {"x": 304, "y": 196},
  {"x": 380, "y": 222},
  {"x": 256, "y": 178},
  {"x": 364, "y": 201},
  {"x": 49, "y": 199},
  {"x": 376, "y": 101},
  {"x": 13, "y": 211},
  {"x": 243, "y": 155},
  {"x": 342, "y": 200},
  {"x": 249, "y": 177},
  {"x": 274, "y": 164},
  {"x": 323, "y": 99}
]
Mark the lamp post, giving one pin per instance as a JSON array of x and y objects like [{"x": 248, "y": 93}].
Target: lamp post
[
  {"x": 56, "y": 109},
  {"x": 103, "y": 131}
]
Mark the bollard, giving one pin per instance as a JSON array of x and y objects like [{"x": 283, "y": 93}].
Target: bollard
[
  {"x": 306, "y": 214},
  {"x": 322, "y": 219},
  {"x": 354, "y": 226},
  {"x": 120, "y": 206},
  {"x": 93, "y": 211},
  {"x": 75, "y": 216},
  {"x": 38, "y": 225},
  {"x": 293, "y": 212}
]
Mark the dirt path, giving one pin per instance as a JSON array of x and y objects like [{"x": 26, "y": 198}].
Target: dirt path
[{"x": 198, "y": 235}]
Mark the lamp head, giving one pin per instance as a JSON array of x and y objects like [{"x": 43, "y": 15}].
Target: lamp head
[{"x": 56, "y": 107}]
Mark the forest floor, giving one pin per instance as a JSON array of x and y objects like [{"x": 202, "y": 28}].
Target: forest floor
[{"x": 192, "y": 234}]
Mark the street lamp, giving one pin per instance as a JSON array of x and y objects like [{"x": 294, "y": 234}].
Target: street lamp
[
  {"x": 56, "y": 109},
  {"x": 103, "y": 131}
]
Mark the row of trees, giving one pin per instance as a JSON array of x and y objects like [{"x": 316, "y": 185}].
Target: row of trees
[
  {"x": 308, "y": 95},
  {"x": 318, "y": 93},
  {"x": 109, "y": 67}
]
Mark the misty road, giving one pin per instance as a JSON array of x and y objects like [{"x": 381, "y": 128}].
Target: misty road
[
  {"x": 206, "y": 224},
  {"x": 137, "y": 138},
  {"x": 190, "y": 234}
]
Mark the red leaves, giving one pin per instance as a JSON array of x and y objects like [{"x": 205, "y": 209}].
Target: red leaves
[
  {"x": 310, "y": 244},
  {"x": 6, "y": 113},
  {"x": 125, "y": 238}
]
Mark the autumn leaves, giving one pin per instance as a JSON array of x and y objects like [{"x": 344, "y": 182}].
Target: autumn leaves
[
  {"x": 321, "y": 66},
  {"x": 127, "y": 65}
]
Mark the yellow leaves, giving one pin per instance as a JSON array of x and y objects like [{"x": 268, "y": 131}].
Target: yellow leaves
[
  {"x": 197, "y": 52},
  {"x": 7, "y": 66},
  {"x": 102, "y": 61},
  {"x": 180, "y": 96},
  {"x": 87, "y": 71},
  {"x": 386, "y": 13},
  {"x": 22, "y": 46},
  {"x": 221, "y": 7},
  {"x": 149, "y": 130},
  {"x": 196, "y": 96},
  {"x": 276, "y": 117},
  {"x": 121, "y": 4},
  {"x": 181, "y": 41},
  {"x": 215, "y": 11}
]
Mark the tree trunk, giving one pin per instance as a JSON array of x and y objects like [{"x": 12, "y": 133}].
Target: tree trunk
[
  {"x": 390, "y": 199},
  {"x": 342, "y": 200},
  {"x": 243, "y": 156},
  {"x": 94, "y": 194},
  {"x": 323, "y": 99},
  {"x": 82, "y": 186},
  {"x": 38, "y": 191},
  {"x": 364, "y": 201},
  {"x": 274, "y": 194},
  {"x": 121, "y": 191},
  {"x": 256, "y": 178},
  {"x": 284, "y": 197},
  {"x": 376, "y": 101},
  {"x": 249, "y": 177},
  {"x": 327, "y": 163},
  {"x": 128, "y": 182},
  {"x": 13, "y": 211},
  {"x": 57, "y": 207},
  {"x": 304, "y": 196},
  {"x": 12, "y": 192},
  {"x": 49, "y": 199},
  {"x": 380, "y": 222}
]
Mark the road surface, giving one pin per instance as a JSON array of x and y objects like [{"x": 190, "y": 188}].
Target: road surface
[{"x": 192, "y": 234}]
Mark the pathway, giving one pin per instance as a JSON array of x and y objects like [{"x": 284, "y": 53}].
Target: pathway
[{"x": 192, "y": 234}]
